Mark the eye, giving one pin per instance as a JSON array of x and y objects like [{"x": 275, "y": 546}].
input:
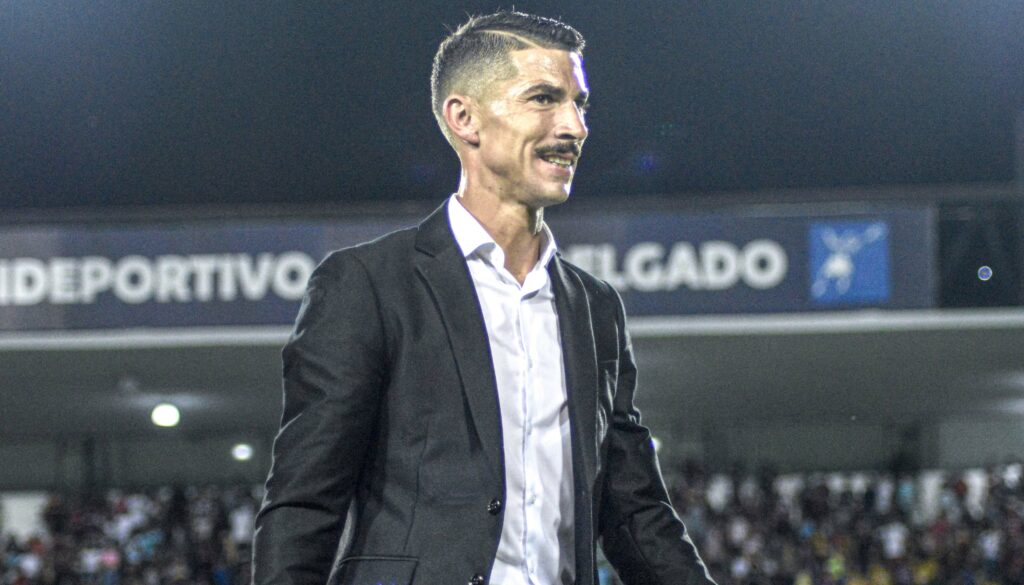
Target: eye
[{"x": 543, "y": 99}]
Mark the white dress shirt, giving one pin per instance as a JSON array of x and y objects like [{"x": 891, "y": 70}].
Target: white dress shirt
[{"x": 537, "y": 539}]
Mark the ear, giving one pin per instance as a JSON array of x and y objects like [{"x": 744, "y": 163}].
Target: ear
[{"x": 459, "y": 113}]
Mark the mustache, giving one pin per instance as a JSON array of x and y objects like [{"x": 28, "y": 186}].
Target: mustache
[{"x": 560, "y": 148}]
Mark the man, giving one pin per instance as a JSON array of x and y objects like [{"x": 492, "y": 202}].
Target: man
[{"x": 458, "y": 399}]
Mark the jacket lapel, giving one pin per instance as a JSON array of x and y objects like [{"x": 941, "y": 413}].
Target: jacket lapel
[
  {"x": 580, "y": 359},
  {"x": 444, "y": 270}
]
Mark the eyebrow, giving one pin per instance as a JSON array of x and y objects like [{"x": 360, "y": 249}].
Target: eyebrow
[{"x": 558, "y": 92}]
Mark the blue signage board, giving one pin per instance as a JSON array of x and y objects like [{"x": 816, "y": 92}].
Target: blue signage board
[
  {"x": 783, "y": 260},
  {"x": 254, "y": 273},
  {"x": 185, "y": 275}
]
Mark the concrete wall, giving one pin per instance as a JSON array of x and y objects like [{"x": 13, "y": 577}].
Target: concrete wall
[
  {"x": 792, "y": 445},
  {"x": 37, "y": 465},
  {"x": 199, "y": 462},
  {"x": 972, "y": 441},
  {"x": 788, "y": 446},
  {"x": 77, "y": 466}
]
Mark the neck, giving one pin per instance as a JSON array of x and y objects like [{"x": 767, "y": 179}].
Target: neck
[{"x": 515, "y": 226}]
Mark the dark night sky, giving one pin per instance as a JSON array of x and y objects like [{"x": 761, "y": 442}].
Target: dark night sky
[{"x": 182, "y": 102}]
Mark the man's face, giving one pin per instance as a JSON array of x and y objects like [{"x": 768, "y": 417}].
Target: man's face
[{"x": 532, "y": 127}]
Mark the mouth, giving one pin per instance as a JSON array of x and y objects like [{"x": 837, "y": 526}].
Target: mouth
[{"x": 562, "y": 161}]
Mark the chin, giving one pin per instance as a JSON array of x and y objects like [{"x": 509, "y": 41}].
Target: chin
[{"x": 549, "y": 197}]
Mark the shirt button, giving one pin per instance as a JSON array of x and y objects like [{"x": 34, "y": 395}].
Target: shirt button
[
  {"x": 477, "y": 579},
  {"x": 494, "y": 506}
]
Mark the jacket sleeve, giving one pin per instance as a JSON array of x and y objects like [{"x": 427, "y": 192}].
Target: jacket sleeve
[
  {"x": 641, "y": 535},
  {"x": 334, "y": 373}
]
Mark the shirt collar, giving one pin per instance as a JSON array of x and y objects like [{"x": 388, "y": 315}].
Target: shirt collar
[{"x": 471, "y": 236}]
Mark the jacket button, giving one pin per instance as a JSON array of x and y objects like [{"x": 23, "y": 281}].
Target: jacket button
[
  {"x": 494, "y": 506},
  {"x": 477, "y": 579}
]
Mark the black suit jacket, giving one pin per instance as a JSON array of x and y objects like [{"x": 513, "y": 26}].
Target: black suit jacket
[{"x": 391, "y": 442}]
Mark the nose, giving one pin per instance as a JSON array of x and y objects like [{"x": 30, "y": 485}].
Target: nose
[{"x": 571, "y": 124}]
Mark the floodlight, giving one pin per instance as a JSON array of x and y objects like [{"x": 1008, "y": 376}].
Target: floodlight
[
  {"x": 242, "y": 452},
  {"x": 165, "y": 415}
]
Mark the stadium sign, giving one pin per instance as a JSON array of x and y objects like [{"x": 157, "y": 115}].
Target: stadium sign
[
  {"x": 714, "y": 265},
  {"x": 196, "y": 274},
  {"x": 246, "y": 273},
  {"x": 784, "y": 259},
  {"x": 164, "y": 279}
]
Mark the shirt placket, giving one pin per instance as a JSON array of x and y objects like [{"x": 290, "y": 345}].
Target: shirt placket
[{"x": 531, "y": 483}]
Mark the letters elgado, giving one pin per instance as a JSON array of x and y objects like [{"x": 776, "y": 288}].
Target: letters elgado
[{"x": 713, "y": 265}]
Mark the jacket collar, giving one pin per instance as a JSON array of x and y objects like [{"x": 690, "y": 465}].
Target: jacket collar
[{"x": 434, "y": 235}]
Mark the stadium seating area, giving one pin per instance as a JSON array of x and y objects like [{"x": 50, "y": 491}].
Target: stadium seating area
[
  {"x": 169, "y": 536},
  {"x": 864, "y": 529},
  {"x": 933, "y": 528}
]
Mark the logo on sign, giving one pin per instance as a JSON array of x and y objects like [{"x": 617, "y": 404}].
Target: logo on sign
[{"x": 849, "y": 262}]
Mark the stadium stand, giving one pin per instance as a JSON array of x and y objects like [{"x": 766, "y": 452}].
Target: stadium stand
[{"x": 873, "y": 528}]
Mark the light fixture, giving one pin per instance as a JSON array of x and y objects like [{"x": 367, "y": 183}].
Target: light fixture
[
  {"x": 242, "y": 452},
  {"x": 165, "y": 415}
]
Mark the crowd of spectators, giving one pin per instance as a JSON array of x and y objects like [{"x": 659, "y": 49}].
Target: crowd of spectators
[
  {"x": 199, "y": 536},
  {"x": 930, "y": 528}
]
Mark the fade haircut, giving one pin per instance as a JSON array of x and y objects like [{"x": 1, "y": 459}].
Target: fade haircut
[{"x": 477, "y": 53}]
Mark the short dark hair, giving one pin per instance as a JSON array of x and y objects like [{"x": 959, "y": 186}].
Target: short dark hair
[{"x": 478, "y": 51}]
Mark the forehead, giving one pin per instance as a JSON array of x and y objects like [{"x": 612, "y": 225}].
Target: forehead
[{"x": 550, "y": 66}]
